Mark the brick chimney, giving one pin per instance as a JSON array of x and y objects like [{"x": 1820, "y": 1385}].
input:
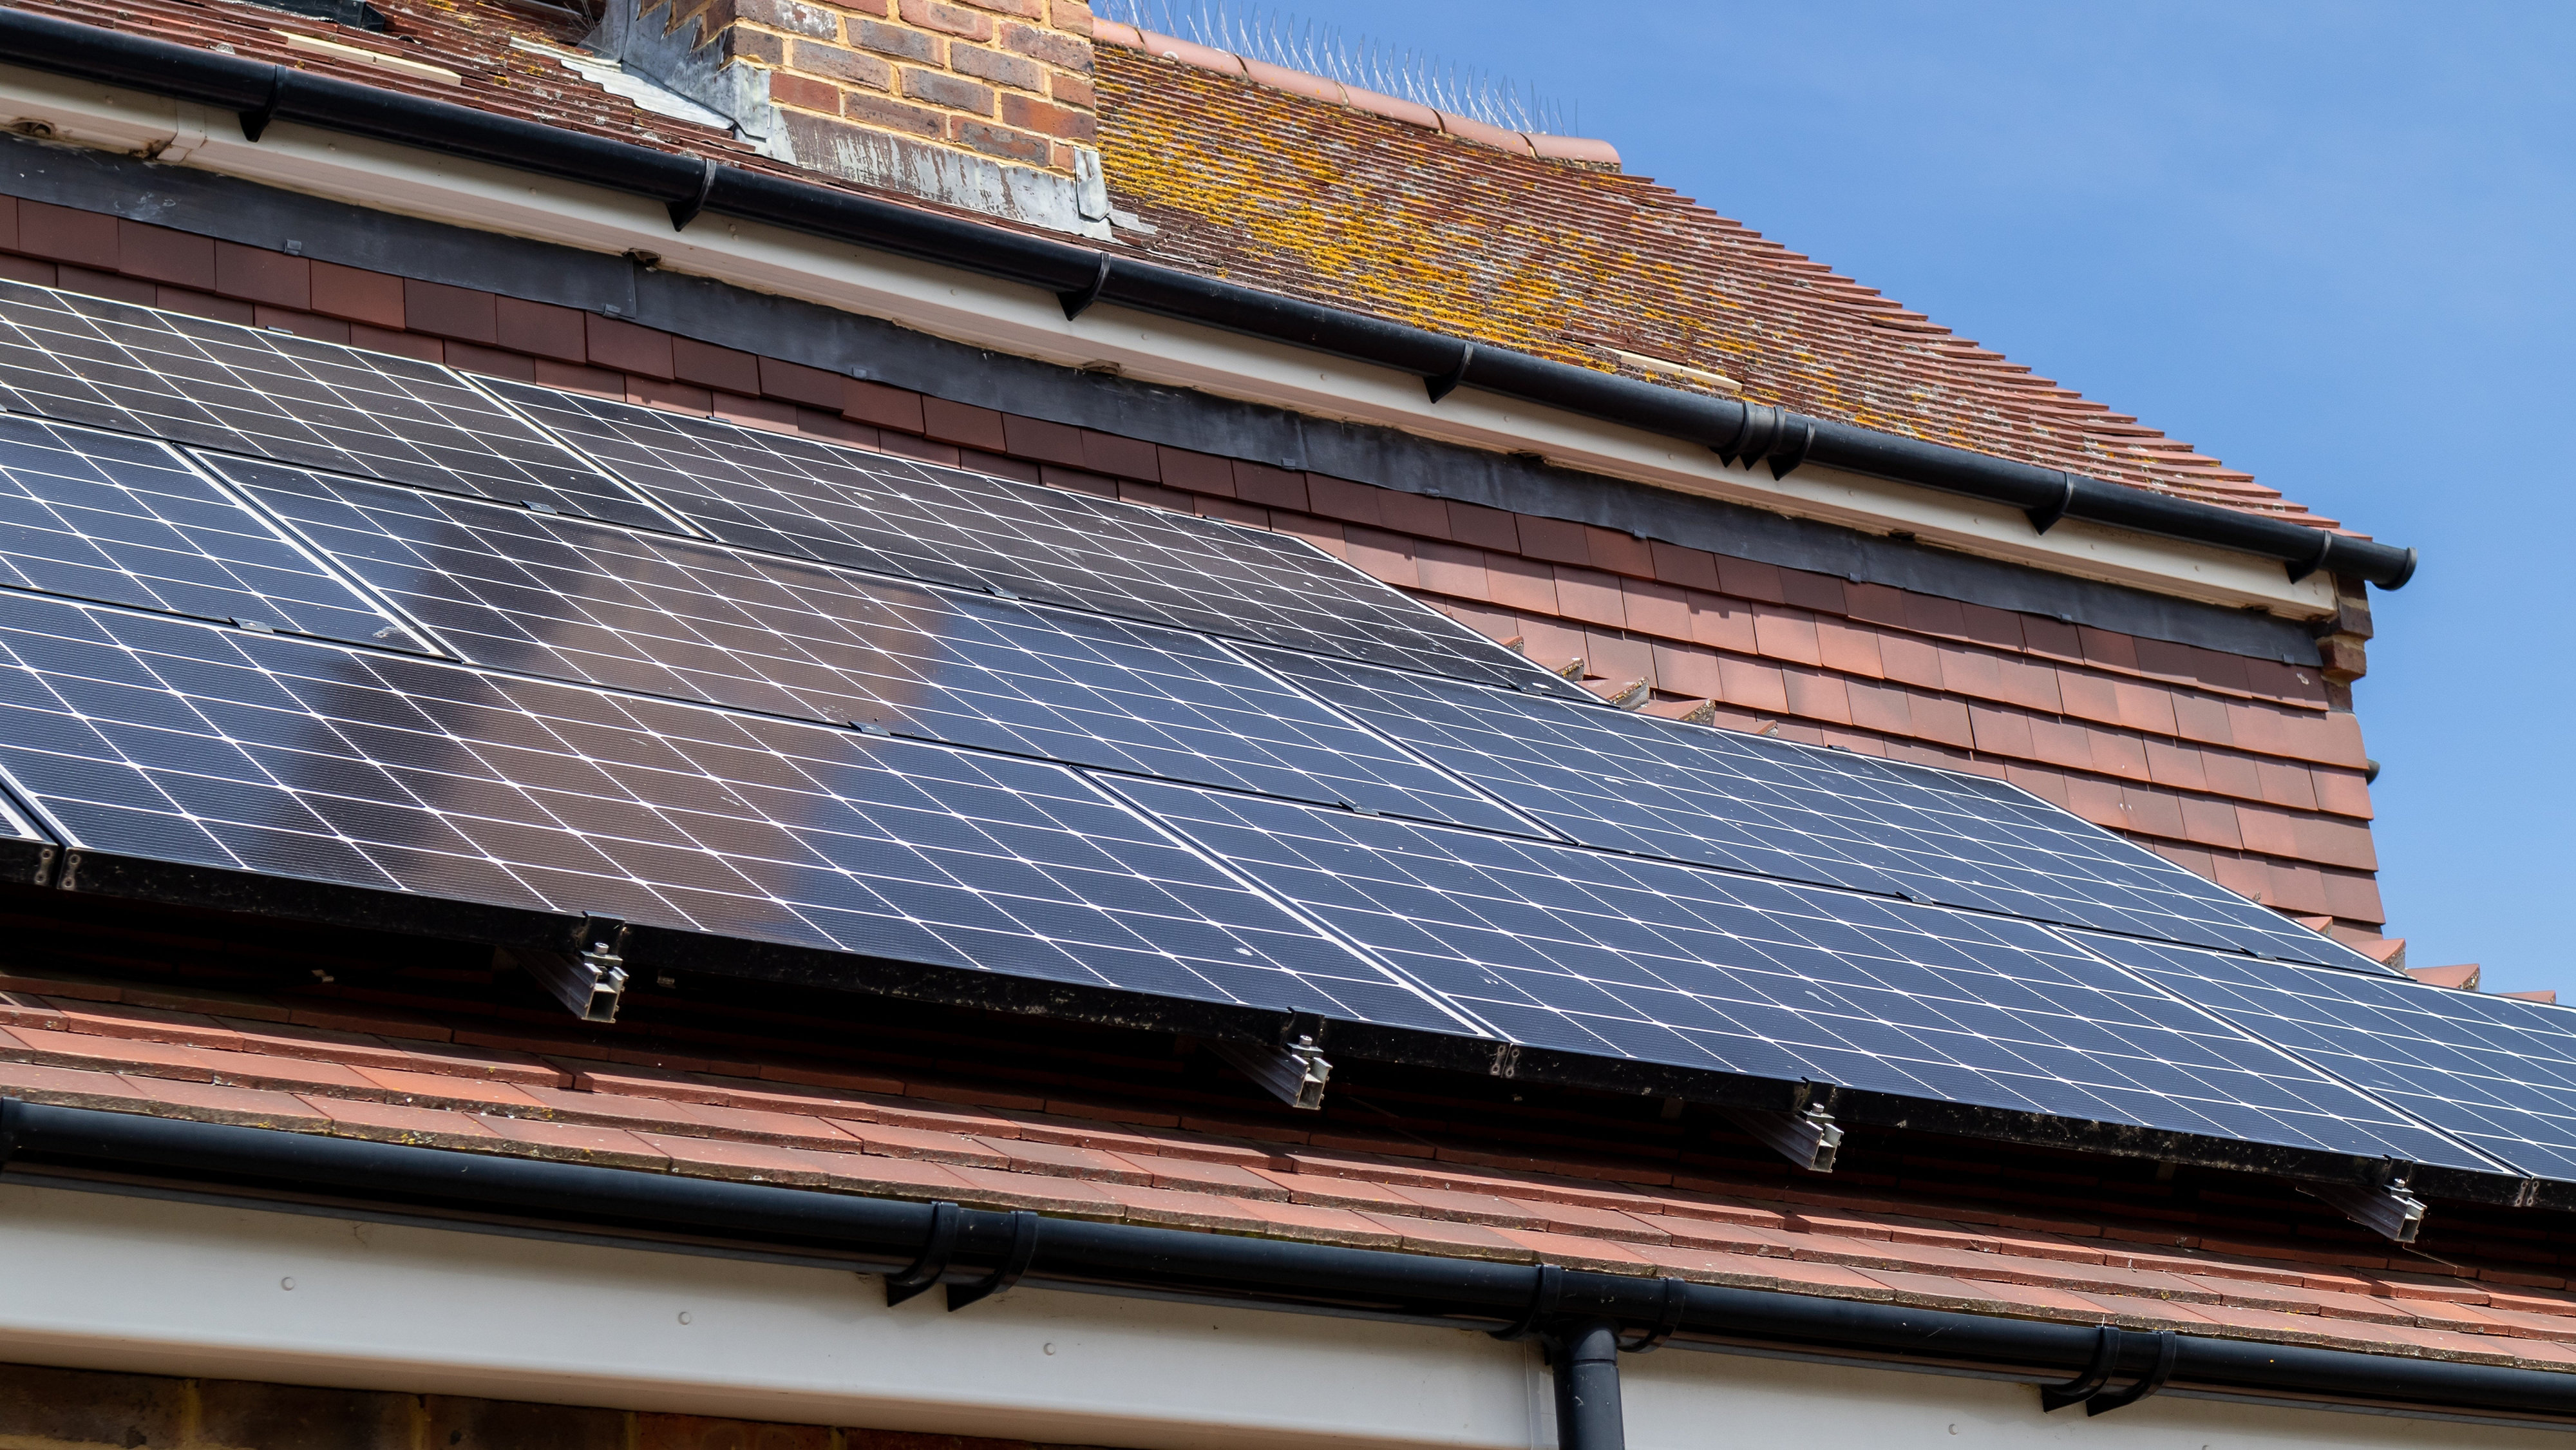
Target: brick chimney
[{"x": 981, "y": 104}]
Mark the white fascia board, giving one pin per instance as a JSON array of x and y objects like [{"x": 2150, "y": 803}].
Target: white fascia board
[
  {"x": 158, "y": 1286},
  {"x": 1025, "y": 322}
]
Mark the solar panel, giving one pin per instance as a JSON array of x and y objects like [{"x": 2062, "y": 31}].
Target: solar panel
[
  {"x": 576, "y": 600},
  {"x": 795, "y": 495},
  {"x": 2497, "y": 1073},
  {"x": 146, "y": 737},
  {"x": 1631, "y": 782},
  {"x": 1591, "y": 952},
  {"x": 273, "y": 395},
  {"x": 126, "y": 521}
]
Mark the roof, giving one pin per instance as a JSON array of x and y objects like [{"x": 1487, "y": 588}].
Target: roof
[
  {"x": 324, "y": 1062},
  {"x": 1291, "y": 193},
  {"x": 1288, "y": 192}
]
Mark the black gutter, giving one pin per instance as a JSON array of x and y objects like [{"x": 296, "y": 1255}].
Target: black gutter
[
  {"x": 689, "y": 186},
  {"x": 976, "y": 1250}
]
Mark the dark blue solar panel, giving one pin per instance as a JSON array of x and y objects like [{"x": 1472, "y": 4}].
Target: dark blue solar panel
[
  {"x": 1630, "y": 782},
  {"x": 2497, "y": 1073},
  {"x": 576, "y": 600},
  {"x": 143, "y": 736},
  {"x": 272, "y": 395},
  {"x": 795, "y": 495},
  {"x": 1591, "y": 952},
  {"x": 126, "y": 521}
]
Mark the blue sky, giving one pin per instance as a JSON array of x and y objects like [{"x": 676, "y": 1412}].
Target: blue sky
[{"x": 2329, "y": 244}]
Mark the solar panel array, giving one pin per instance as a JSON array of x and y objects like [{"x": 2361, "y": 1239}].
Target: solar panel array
[
  {"x": 389, "y": 630},
  {"x": 798, "y": 495},
  {"x": 273, "y": 395},
  {"x": 1632, "y": 782}
]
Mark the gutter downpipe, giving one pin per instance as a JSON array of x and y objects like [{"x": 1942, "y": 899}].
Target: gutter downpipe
[
  {"x": 1577, "y": 1313},
  {"x": 261, "y": 93}
]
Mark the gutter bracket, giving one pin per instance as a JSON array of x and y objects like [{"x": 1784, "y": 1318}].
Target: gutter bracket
[
  {"x": 1024, "y": 1248},
  {"x": 1446, "y": 383},
  {"x": 2325, "y": 551},
  {"x": 936, "y": 1249},
  {"x": 1079, "y": 300},
  {"x": 1799, "y": 435},
  {"x": 1808, "y": 1137},
  {"x": 256, "y": 121},
  {"x": 1667, "y": 1319},
  {"x": 590, "y": 977},
  {"x": 2389, "y": 1209},
  {"x": 2045, "y": 518},
  {"x": 1546, "y": 1289},
  {"x": 2168, "y": 1352},
  {"x": 685, "y": 212},
  {"x": 2106, "y": 1360}
]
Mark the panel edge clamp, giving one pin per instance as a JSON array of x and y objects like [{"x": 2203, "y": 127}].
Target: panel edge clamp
[
  {"x": 1293, "y": 1070},
  {"x": 590, "y": 977},
  {"x": 1808, "y": 1137},
  {"x": 2387, "y": 1207}
]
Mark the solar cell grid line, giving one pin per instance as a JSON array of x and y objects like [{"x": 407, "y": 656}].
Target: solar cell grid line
[
  {"x": 145, "y": 737},
  {"x": 2494, "y": 1072},
  {"x": 1625, "y": 781},
  {"x": 270, "y": 394},
  {"x": 576, "y": 600},
  {"x": 1593, "y": 952},
  {"x": 125, "y": 520},
  {"x": 797, "y": 495}
]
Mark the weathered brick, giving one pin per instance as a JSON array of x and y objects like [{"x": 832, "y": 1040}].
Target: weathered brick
[
  {"x": 1051, "y": 46},
  {"x": 805, "y": 93},
  {"x": 1049, "y": 119},
  {"x": 80, "y": 1407},
  {"x": 1073, "y": 90},
  {"x": 947, "y": 19},
  {"x": 998, "y": 67},
  {"x": 956, "y": 93},
  {"x": 893, "y": 115},
  {"x": 896, "y": 41},
  {"x": 792, "y": 16},
  {"x": 846, "y": 66},
  {"x": 297, "y": 1417}
]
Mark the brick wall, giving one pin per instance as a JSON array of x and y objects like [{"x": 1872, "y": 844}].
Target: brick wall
[
  {"x": 76, "y": 1410},
  {"x": 2248, "y": 771},
  {"x": 985, "y": 104}
]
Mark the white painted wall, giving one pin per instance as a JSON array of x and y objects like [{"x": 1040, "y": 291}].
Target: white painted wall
[
  {"x": 104, "y": 1281},
  {"x": 1029, "y": 323}
]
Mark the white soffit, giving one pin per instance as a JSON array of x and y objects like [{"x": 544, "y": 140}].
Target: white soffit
[
  {"x": 158, "y": 1286},
  {"x": 984, "y": 312}
]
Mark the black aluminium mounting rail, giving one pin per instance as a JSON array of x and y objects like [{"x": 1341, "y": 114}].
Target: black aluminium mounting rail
[
  {"x": 84, "y": 1147},
  {"x": 262, "y": 93}
]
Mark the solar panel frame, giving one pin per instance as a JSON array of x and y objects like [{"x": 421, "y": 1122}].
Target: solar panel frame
[
  {"x": 1621, "y": 780},
  {"x": 2495, "y": 1073},
  {"x": 270, "y": 394},
  {"x": 1595, "y": 954},
  {"x": 144, "y": 742},
  {"x": 122, "y": 520},
  {"x": 790, "y": 494},
  {"x": 628, "y": 609}
]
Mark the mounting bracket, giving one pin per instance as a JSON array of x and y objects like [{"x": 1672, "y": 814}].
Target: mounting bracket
[
  {"x": 589, "y": 978},
  {"x": 2386, "y": 1208},
  {"x": 1809, "y": 1137},
  {"x": 1294, "y": 1070}
]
